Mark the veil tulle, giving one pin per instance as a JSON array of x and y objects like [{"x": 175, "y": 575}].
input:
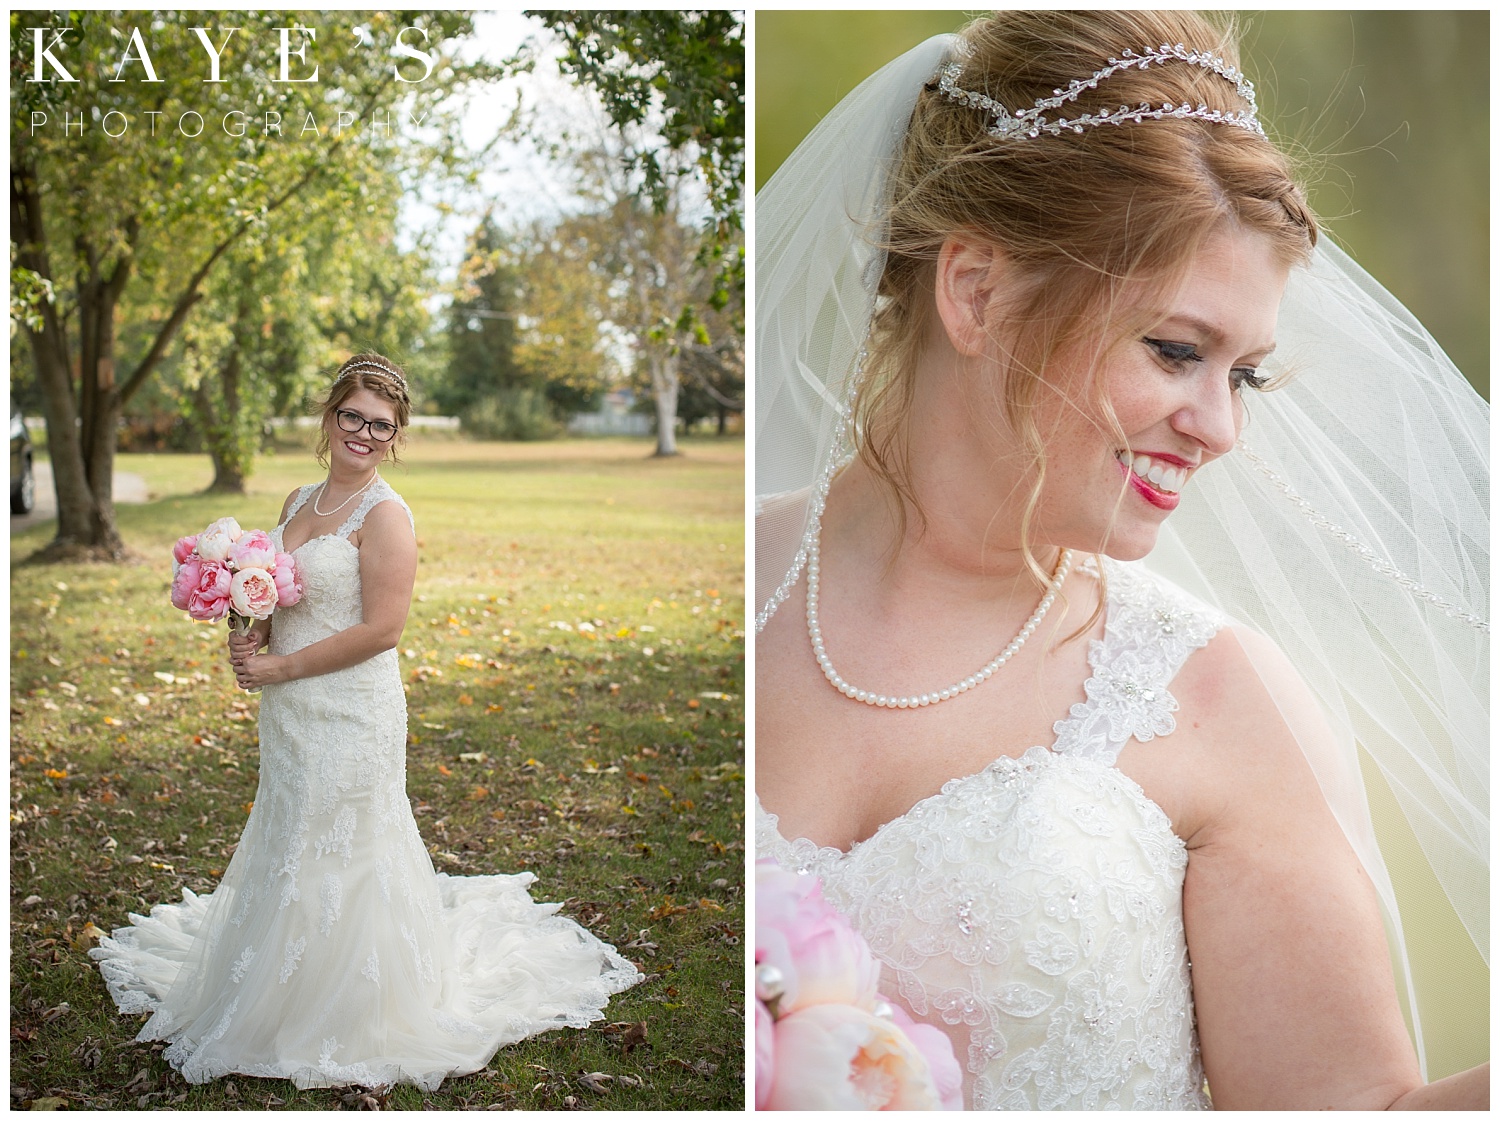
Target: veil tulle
[{"x": 1351, "y": 526}]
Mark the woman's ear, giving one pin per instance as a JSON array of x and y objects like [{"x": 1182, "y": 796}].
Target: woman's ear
[{"x": 970, "y": 273}]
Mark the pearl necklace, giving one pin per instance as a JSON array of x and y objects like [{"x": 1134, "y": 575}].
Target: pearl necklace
[
  {"x": 922, "y": 700},
  {"x": 324, "y": 489}
]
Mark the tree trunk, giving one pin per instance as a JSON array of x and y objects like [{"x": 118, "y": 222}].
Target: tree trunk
[
  {"x": 220, "y": 426},
  {"x": 82, "y": 467},
  {"x": 101, "y": 400},
  {"x": 664, "y": 387},
  {"x": 229, "y": 476},
  {"x": 82, "y": 429}
]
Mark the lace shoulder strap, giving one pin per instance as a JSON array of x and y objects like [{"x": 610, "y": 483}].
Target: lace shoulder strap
[
  {"x": 1151, "y": 628},
  {"x": 379, "y": 492},
  {"x": 303, "y": 494}
]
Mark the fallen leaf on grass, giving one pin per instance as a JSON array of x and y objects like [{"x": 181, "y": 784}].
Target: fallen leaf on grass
[
  {"x": 643, "y": 944},
  {"x": 87, "y": 936},
  {"x": 635, "y": 1036},
  {"x": 702, "y": 1066},
  {"x": 597, "y": 1081},
  {"x": 361, "y": 1098},
  {"x": 88, "y": 1053},
  {"x": 49, "y": 1103}
]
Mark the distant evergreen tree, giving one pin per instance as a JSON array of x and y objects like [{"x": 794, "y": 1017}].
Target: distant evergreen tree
[{"x": 482, "y": 327}]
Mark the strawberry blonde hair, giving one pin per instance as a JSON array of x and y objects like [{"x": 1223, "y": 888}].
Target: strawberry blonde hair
[
  {"x": 1081, "y": 215},
  {"x": 380, "y": 376}
]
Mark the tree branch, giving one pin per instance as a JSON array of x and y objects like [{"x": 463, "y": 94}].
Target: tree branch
[{"x": 191, "y": 295}]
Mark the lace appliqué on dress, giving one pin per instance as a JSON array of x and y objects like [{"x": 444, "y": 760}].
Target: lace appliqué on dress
[
  {"x": 1033, "y": 910},
  {"x": 1149, "y": 632}
]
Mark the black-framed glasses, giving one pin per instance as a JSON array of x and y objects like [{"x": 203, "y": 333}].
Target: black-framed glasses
[{"x": 380, "y": 430}]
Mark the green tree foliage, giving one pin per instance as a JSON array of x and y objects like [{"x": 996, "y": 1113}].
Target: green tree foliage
[
  {"x": 562, "y": 338},
  {"x": 713, "y": 370},
  {"x": 526, "y": 330},
  {"x": 678, "y": 75},
  {"x": 482, "y": 369},
  {"x": 129, "y": 160},
  {"x": 286, "y": 310}
]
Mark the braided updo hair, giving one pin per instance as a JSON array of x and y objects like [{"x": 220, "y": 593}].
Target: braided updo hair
[
  {"x": 380, "y": 376},
  {"x": 1082, "y": 215}
]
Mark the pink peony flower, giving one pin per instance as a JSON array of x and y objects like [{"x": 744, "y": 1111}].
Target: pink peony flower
[
  {"x": 185, "y": 582},
  {"x": 210, "y": 599},
  {"x": 184, "y": 548},
  {"x": 288, "y": 580},
  {"x": 937, "y": 1049},
  {"x": 252, "y": 593},
  {"x": 817, "y": 955},
  {"x": 252, "y": 550},
  {"x": 832, "y": 1056},
  {"x": 765, "y": 1052},
  {"x": 214, "y": 542}
]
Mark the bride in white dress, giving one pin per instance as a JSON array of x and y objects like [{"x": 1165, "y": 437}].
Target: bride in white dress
[
  {"x": 331, "y": 953},
  {"x": 1011, "y": 299}
]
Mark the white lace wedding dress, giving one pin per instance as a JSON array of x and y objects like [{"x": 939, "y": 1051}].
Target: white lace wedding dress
[
  {"x": 1033, "y": 910},
  {"x": 331, "y": 953}
]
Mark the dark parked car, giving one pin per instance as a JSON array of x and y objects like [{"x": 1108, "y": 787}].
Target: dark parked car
[{"x": 22, "y": 481}]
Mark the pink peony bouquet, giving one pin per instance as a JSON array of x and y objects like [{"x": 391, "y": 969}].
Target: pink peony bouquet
[
  {"x": 226, "y": 570},
  {"x": 824, "y": 1039}
]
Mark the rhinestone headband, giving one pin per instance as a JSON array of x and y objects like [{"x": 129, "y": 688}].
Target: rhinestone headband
[
  {"x": 377, "y": 367},
  {"x": 1026, "y": 123}
]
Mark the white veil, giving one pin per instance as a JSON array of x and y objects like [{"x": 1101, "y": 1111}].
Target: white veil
[{"x": 1351, "y": 526}]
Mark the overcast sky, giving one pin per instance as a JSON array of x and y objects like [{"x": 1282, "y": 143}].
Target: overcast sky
[{"x": 519, "y": 184}]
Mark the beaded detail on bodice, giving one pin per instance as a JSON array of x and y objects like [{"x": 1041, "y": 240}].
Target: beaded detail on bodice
[
  {"x": 328, "y": 566},
  {"x": 1033, "y": 910}
]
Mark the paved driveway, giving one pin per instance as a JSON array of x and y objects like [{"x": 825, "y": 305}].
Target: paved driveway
[{"x": 128, "y": 487}]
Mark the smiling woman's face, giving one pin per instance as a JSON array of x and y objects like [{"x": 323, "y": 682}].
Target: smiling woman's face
[
  {"x": 1176, "y": 394},
  {"x": 359, "y": 450}
]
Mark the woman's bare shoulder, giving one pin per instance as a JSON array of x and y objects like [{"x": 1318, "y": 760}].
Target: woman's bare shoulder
[
  {"x": 1252, "y": 724},
  {"x": 389, "y": 520},
  {"x": 1243, "y": 675}
]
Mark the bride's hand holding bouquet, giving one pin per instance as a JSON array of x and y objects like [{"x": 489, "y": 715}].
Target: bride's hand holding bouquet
[{"x": 228, "y": 571}]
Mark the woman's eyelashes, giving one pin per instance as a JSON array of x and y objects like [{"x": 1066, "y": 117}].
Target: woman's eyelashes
[
  {"x": 1179, "y": 356},
  {"x": 1242, "y": 376}
]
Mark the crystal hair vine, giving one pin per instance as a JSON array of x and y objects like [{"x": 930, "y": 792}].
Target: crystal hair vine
[
  {"x": 1027, "y": 123},
  {"x": 377, "y": 367}
]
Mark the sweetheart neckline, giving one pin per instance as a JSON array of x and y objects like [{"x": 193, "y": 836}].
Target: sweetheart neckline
[
  {"x": 319, "y": 537},
  {"x": 1023, "y": 762},
  {"x": 942, "y": 792}
]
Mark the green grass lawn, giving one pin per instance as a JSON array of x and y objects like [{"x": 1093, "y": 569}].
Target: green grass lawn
[{"x": 574, "y": 662}]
